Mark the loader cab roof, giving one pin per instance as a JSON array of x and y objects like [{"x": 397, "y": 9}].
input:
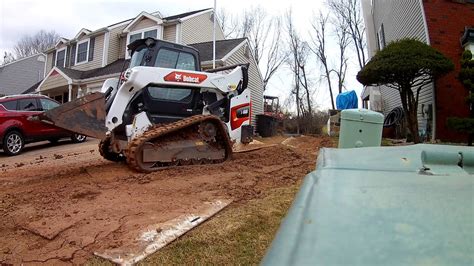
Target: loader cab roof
[{"x": 159, "y": 53}]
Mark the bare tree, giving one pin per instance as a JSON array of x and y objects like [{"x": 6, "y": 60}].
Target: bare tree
[
  {"x": 8, "y": 58},
  {"x": 343, "y": 41},
  {"x": 319, "y": 48},
  {"x": 298, "y": 55},
  {"x": 37, "y": 43},
  {"x": 229, "y": 23},
  {"x": 256, "y": 26},
  {"x": 349, "y": 13},
  {"x": 275, "y": 55}
]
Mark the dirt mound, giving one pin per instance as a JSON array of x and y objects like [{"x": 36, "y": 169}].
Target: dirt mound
[{"x": 59, "y": 209}]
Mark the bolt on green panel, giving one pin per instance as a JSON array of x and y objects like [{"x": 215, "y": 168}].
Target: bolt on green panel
[{"x": 360, "y": 128}]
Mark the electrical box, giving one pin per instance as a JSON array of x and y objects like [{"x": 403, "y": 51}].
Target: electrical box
[{"x": 360, "y": 128}]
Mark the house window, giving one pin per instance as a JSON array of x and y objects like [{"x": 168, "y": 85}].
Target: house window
[
  {"x": 61, "y": 57},
  {"x": 152, "y": 32},
  {"x": 82, "y": 51},
  {"x": 135, "y": 37}
]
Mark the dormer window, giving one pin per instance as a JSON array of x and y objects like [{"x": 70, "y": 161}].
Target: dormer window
[
  {"x": 82, "y": 51},
  {"x": 61, "y": 57}
]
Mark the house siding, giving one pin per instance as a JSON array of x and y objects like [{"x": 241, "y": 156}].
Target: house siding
[
  {"x": 19, "y": 76},
  {"x": 401, "y": 19},
  {"x": 116, "y": 44},
  {"x": 98, "y": 52},
  {"x": 446, "y": 21},
  {"x": 169, "y": 33},
  {"x": 53, "y": 81},
  {"x": 49, "y": 62},
  {"x": 255, "y": 81},
  {"x": 143, "y": 24},
  {"x": 199, "y": 29}
]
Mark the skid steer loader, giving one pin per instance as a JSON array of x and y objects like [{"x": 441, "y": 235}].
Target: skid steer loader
[{"x": 163, "y": 111}]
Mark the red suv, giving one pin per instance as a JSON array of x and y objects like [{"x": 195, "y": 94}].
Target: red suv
[{"x": 19, "y": 123}]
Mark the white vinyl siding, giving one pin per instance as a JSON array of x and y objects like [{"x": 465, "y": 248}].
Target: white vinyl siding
[
  {"x": 401, "y": 19},
  {"x": 199, "y": 29},
  {"x": 255, "y": 81}
]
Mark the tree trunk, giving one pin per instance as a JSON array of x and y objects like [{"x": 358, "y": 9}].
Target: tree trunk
[{"x": 410, "y": 107}]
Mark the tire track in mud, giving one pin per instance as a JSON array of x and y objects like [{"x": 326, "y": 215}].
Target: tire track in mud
[{"x": 61, "y": 210}]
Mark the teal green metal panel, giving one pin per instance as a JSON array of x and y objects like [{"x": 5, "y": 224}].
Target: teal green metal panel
[
  {"x": 381, "y": 206},
  {"x": 360, "y": 128}
]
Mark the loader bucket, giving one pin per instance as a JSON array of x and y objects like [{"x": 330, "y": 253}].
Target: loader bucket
[{"x": 85, "y": 116}]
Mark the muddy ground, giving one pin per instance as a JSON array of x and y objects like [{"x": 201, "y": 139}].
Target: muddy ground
[{"x": 59, "y": 205}]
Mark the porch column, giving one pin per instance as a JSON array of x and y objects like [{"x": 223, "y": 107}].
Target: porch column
[{"x": 70, "y": 92}]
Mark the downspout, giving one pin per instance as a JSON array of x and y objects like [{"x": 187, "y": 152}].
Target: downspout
[{"x": 433, "y": 112}]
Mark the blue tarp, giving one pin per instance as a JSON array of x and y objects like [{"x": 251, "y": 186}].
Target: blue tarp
[{"x": 347, "y": 100}]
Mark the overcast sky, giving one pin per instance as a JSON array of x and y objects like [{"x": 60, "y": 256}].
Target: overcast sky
[{"x": 20, "y": 17}]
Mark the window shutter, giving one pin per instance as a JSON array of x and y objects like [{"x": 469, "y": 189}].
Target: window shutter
[
  {"x": 53, "y": 63},
  {"x": 67, "y": 56},
  {"x": 73, "y": 54},
  {"x": 91, "y": 49}
]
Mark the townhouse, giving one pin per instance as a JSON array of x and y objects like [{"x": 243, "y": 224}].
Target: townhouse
[
  {"x": 18, "y": 76},
  {"x": 78, "y": 66},
  {"x": 446, "y": 25}
]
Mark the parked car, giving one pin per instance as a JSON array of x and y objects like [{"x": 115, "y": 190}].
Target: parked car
[{"x": 20, "y": 125}]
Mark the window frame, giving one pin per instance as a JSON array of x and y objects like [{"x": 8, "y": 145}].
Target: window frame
[
  {"x": 56, "y": 57},
  {"x": 87, "y": 52},
  {"x": 159, "y": 36}
]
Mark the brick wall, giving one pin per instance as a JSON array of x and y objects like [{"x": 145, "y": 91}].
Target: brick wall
[{"x": 446, "y": 21}]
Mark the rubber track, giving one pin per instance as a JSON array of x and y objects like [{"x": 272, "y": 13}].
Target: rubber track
[{"x": 160, "y": 130}]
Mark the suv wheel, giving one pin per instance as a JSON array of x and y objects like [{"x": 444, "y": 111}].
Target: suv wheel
[
  {"x": 77, "y": 138},
  {"x": 13, "y": 143}
]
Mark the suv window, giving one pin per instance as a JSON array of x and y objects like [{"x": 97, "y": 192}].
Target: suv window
[
  {"x": 10, "y": 105},
  {"x": 28, "y": 105},
  {"x": 48, "y": 104}
]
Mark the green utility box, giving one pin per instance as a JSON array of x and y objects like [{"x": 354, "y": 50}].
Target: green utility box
[{"x": 360, "y": 128}]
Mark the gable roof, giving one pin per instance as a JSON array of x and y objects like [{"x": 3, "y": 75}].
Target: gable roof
[
  {"x": 223, "y": 48},
  {"x": 137, "y": 19},
  {"x": 183, "y": 15}
]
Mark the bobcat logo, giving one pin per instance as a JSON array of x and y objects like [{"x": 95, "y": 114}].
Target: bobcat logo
[{"x": 177, "y": 76}]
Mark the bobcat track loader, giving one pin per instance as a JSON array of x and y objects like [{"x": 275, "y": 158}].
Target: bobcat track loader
[{"x": 162, "y": 111}]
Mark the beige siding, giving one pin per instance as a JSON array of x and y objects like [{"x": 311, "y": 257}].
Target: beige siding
[
  {"x": 255, "y": 81},
  {"x": 169, "y": 33},
  {"x": 115, "y": 50},
  {"x": 122, "y": 47},
  {"x": 49, "y": 62},
  {"x": 401, "y": 19},
  {"x": 98, "y": 52},
  {"x": 143, "y": 24},
  {"x": 199, "y": 29},
  {"x": 54, "y": 81}
]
